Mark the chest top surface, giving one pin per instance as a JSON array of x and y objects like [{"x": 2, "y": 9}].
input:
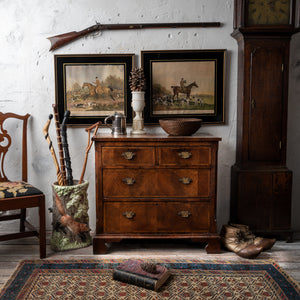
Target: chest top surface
[{"x": 203, "y": 137}]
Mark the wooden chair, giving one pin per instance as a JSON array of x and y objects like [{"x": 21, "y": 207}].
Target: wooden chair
[{"x": 15, "y": 195}]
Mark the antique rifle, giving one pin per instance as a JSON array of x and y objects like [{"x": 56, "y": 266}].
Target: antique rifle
[
  {"x": 66, "y": 148},
  {"x": 63, "y": 39}
]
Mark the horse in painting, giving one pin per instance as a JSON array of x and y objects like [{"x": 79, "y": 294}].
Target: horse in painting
[{"x": 183, "y": 90}]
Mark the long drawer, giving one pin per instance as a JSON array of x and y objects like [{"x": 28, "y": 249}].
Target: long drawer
[
  {"x": 144, "y": 217},
  {"x": 156, "y": 183}
]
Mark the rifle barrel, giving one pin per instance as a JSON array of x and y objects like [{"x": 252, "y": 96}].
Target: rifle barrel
[
  {"x": 65, "y": 38},
  {"x": 159, "y": 25}
]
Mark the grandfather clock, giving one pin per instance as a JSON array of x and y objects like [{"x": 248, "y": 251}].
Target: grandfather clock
[{"x": 260, "y": 181}]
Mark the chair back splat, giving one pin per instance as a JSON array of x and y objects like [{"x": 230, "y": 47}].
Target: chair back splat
[{"x": 5, "y": 143}]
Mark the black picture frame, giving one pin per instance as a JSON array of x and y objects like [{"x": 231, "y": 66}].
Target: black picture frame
[
  {"x": 92, "y": 86},
  {"x": 164, "y": 69}
]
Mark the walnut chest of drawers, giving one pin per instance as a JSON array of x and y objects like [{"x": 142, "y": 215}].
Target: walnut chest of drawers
[{"x": 156, "y": 187}]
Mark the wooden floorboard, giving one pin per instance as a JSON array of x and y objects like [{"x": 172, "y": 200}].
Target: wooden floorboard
[{"x": 287, "y": 255}]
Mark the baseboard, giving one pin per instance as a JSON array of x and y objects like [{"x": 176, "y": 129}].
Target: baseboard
[{"x": 296, "y": 235}]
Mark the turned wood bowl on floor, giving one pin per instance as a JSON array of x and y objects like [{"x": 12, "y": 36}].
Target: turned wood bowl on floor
[{"x": 180, "y": 126}]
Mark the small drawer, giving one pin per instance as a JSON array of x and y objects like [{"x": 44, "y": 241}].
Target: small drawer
[
  {"x": 142, "y": 217},
  {"x": 189, "y": 156},
  {"x": 156, "y": 183},
  {"x": 128, "y": 156}
]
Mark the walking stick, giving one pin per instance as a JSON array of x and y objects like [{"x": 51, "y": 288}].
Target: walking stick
[
  {"x": 66, "y": 148},
  {"x": 89, "y": 145},
  {"x": 47, "y": 137},
  {"x": 59, "y": 143}
]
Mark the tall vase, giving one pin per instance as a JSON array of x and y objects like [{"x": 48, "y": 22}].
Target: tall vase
[
  {"x": 138, "y": 104},
  {"x": 70, "y": 218}
]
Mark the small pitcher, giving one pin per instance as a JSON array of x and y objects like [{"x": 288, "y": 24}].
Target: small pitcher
[{"x": 118, "y": 126}]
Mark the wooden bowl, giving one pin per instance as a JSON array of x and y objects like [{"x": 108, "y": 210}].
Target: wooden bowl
[{"x": 180, "y": 126}]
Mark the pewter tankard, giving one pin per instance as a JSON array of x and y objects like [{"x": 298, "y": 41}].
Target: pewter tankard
[{"x": 118, "y": 126}]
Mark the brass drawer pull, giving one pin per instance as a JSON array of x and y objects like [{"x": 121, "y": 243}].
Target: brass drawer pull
[
  {"x": 128, "y": 155},
  {"x": 185, "y": 154},
  {"x": 129, "y": 181},
  {"x": 184, "y": 213},
  {"x": 129, "y": 214},
  {"x": 185, "y": 180}
]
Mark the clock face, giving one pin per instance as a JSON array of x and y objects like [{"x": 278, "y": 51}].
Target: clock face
[{"x": 269, "y": 12}]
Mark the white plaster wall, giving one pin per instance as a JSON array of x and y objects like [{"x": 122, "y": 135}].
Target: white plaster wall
[{"x": 27, "y": 72}]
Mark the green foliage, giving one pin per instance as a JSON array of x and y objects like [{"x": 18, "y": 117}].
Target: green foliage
[
  {"x": 59, "y": 242},
  {"x": 81, "y": 211},
  {"x": 75, "y": 200},
  {"x": 62, "y": 192}
]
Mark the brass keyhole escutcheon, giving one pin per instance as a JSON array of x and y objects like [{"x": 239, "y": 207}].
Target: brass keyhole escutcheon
[
  {"x": 184, "y": 213},
  {"x": 129, "y": 214},
  {"x": 128, "y": 181},
  {"x": 129, "y": 155},
  {"x": 253, "y": 104},
  {"x": 185, "y": 154},
  {"x": 185, "y": 180}
]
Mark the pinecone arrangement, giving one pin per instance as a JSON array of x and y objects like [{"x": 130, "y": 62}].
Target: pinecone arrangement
[{"x": 137, "y": 81}]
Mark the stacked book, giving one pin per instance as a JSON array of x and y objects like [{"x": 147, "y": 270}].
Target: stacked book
[{"x": 146, "y": 275}]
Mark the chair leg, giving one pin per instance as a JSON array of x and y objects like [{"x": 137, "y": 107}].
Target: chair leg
[
  {"x": 22, "y": 219},
  {"x": 42, "y": 232}
]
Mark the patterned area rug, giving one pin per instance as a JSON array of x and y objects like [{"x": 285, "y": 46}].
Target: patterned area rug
[{"x": 191, "y": 279}]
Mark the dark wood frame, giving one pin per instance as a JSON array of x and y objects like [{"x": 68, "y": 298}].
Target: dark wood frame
[
  {"x": 218, "y": 55},
  {"x": 60, "y": 61}
]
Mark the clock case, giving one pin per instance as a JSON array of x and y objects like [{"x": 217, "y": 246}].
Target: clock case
[
  {"x": 261, "y": 184},
  {"x": 240, "y": 20}
]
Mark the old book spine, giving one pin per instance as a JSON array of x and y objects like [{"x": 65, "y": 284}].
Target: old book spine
[{"x": 135, "y": 279}]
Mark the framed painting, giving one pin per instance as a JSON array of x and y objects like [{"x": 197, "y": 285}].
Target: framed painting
[
  {"x": 93, "y": 86},
  {"x": 184, "y": 83}
]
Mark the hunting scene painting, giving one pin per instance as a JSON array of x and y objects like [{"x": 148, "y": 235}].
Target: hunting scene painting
[
  {"x": 92, "y": 86},
  {"x": 96, "y": 89},
  {"x": 184, "y": 83},
  {"x": 185, "y": 88}
]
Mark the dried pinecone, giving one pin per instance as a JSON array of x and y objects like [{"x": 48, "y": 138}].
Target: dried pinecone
[
  {"x": 137, "y": 81},
  {"x": 149, "y": 267}
]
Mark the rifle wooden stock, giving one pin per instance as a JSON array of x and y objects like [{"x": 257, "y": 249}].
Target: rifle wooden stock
[{"x": 63, "y": 39}]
